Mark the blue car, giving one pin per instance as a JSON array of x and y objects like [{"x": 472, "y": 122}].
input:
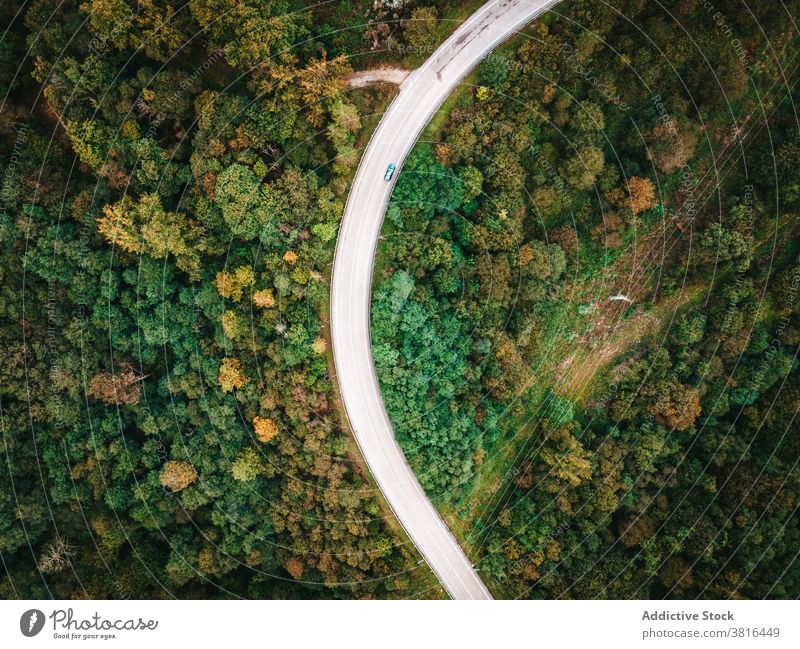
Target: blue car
[{"x": 389, "y": 172}]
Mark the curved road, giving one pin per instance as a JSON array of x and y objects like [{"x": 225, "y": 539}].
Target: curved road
[{"x": 420, "y": 96}]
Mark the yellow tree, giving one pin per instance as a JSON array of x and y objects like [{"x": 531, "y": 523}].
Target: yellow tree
[
  {"x": 320, "y": 84},
  {"x": 176, "y": 475},
  {"x": 233, "y": 325},
  {"x": 264, "y": 298},
  {"x": 231, "y": 285},
  {"x": 118, "y": 225},
  {"x": 144, "y": 226},
  {"x": 642, "y": 193},
  {"x": 247, "y": 466},
  {"x": 266, "y": 429},
  {"x": 230, "y": 374}
]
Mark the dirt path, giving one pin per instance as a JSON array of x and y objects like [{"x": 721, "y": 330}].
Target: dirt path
[{"x": 377, "y": 75}]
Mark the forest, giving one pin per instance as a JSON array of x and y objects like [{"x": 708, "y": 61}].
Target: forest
[
  {"x": 586, "y": 305},
  {"x": 173, "y": 174},
  {"x": 172, "y": 177}
]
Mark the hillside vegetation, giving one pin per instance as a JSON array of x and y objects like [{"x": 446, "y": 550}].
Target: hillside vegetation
[{"x": 585, "y": 316}]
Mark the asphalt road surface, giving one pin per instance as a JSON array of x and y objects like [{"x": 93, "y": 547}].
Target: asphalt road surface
[{"x": 420, "y": 96}]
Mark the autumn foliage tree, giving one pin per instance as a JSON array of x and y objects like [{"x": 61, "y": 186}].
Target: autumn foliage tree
[
  {"x": 121, "y": 389},
  {"x": 231, "y": 376},
  {"x": 144, "y": 226},
  {"x": 176, "y": 475},
  {"x": 675, "y": 405},
  {"x": 232, "y": 284},
  {"x": 642, "y": 194},
  {"x": 265, "y": 428}
]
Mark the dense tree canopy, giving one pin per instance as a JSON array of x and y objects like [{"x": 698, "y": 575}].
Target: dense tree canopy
[
  {"x": 585, "y": 306},
  {"x": 173, "y": 176}
]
